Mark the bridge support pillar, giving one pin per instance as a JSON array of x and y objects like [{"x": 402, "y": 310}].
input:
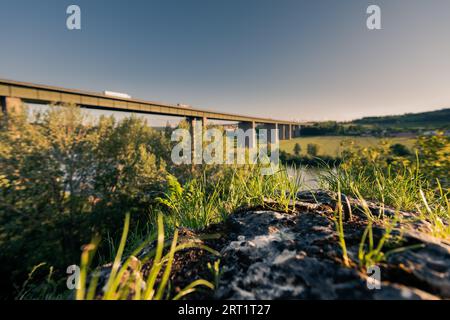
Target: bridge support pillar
[
  {"x": 197, "y": 127},
  {"x": 296, "y": 131},
  {"x": 277, "y": 136},
  {"x": 10, "y": 105},
  {"x": 250, "y": 140},
  {"x": 289, "y": 133},
  {"x": 282, "y": 130},
  {"x": 271, "y": 139}
]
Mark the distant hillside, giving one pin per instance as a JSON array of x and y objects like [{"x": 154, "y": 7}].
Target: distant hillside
[{"x": 431, "y": 119}]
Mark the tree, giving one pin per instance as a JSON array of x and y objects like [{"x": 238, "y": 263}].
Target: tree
[
  {"x": 297, "y": 149},
  {"x": 434, "y": 153},
  {"x": 168, "y": 130},
  {"x": 312, "y": 149},
  {"x": 64, "y": 178},
  {"x": 399, "y": 150}
]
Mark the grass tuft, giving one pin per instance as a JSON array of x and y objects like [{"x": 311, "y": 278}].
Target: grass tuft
[{"x": 127, "y": 281}]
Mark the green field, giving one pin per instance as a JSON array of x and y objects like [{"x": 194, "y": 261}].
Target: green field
[{"x": 331, "y": 145}]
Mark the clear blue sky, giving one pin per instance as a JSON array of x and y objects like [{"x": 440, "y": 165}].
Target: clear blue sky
[{"x": 300, "y": 60}]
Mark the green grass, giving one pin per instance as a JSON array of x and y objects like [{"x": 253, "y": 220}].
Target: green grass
[
  {"x": 200, "y": 202},
  {"x": 331, "y": 145},
  {"x": 195, "y": 204},
  {"x": 204, "y": 199},
  {"x": 126, "y": 280},
  {"x": 401, "y": 189}
]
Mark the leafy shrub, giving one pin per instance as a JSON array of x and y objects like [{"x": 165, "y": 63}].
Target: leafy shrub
[
  {"x": 399, "y": 150},
  {"x": 64, "y": 177},
  {"x": 312, "y": 149},
  {"x": 297, "y": 149},
  {"x": 434, "y": 152}
]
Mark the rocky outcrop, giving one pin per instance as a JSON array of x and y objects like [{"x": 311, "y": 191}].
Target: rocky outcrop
[
  {"x": 269, "y": 254},
  {"x": 297, "y": 255}
]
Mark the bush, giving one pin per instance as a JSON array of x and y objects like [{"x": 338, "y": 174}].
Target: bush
[
  {"x": 434, "y": 152},
  {"x": 297, "y": 149},
  {"x": 399, "y": 150},
  {"x": 64, "y": 178},
  {"x": 312, "y": 149}
]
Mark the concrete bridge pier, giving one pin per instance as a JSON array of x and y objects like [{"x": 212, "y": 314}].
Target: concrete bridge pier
[
  {"x": 296, "y": 131},
  {"x": 277, "y": 136},
  {"x": 269, "y": 127},
  {"x": 282, "y": 129},
  {"x": 250, "y": 140},
  {"x": 197, "y": 127}
]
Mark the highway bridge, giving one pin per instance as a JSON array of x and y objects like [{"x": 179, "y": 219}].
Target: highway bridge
[{"x": 13, "y": 93}]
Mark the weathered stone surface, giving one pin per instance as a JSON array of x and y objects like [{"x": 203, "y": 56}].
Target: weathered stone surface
[
  {"x": 267, "y": 254},
  {"x": 272, "y": 255}
]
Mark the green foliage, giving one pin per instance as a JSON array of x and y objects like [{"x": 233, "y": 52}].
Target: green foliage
[
  {"x": 371, "y": 253},
  {"x": 312, "y": 149},
  {"x": 432, "y": 159},
  {"x": 202, "y": 201},
  {"x": 381, "y": 126},
  {"x": 48, "y": 287},
  {"x": 434, "y": 152},
  {"x": 399, "y": 182},
  {"x": 65, "y": 177},
  {"x": 297, "y": 149},
  {"x": 333, "y": 146},
  {"x": 399, "y": 150},
  {"x": 216, "y": 272},
  {"x": 423, "y": 119},
  {"x": 127, "y": 280},
  {"x": 191, "y": 206},
  {"x": 306, "y": 161},
  {"x": 339, "y": 221}
]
